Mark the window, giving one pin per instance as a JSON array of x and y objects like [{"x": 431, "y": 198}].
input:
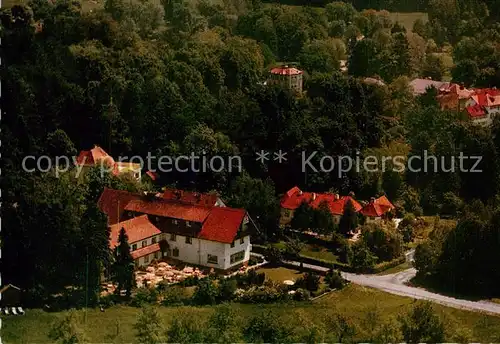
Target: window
[
  {"x": 146, "y": 258},
  {"x": 173, "y": 237},
  {"x": 175, "y": 222},
  {"x": 211, "y": 259},
  {"x": 134, "y": 247},
  {"x": 188, "y": 223},
  {"x": 232, "y": 244},
  {"x": 175, "y": 252},
  {"x": 242, "y": 240},
  {"x": 189, "y": 240},
  {"x": 144, "y": 243},
  {"x": 153, "y": 240},
  {"x": 238, "y": 256}
]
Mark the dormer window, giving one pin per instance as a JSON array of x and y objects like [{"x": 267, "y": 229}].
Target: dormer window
[
  {"x": 175, "y": 222},
  {"x": 188, "y": 224}
]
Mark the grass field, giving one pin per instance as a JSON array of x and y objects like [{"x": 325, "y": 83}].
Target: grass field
[
  {"x": 407, "y": 19},
  {"x": 312, "y": 251},
  {"x": 352, "y": 301}
]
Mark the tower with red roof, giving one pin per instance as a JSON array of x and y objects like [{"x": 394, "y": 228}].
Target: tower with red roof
[{"x": 288, "y": 77}]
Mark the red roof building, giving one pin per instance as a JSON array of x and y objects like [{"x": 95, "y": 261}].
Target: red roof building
[
  {"x": 98, "y": 156},
  {"x": 377, "y": 207},
  {"x": 336, "y": 203},
  {"x": 145, "y": 217},
  {"x": 288, "y": 77},
  {"x": 137, "y": 229}
]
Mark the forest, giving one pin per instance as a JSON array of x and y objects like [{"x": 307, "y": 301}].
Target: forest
[{"x": 183, "y": 76}]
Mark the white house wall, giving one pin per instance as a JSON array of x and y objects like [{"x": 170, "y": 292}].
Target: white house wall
[{"x": 246, "y": 246}]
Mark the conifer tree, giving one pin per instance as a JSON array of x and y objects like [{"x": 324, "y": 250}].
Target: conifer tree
[{"x": 123, "y": 267}]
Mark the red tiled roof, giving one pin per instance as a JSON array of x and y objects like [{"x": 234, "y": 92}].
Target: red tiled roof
[
  {"x": 145, "y": 251},
  {"x": 222, "y": 224},
  {"x": 476, "y": 111},
  {"x": 486, "y": 96},
  {"x": 190, "y": 197},
  {"x": 167, "y": 208},
  {"x": 137, "y": 229},
  {"x": 377, "y": 207},
  {"x": 293, "y": 198},
  {"x": 373, "y": 210},
  {"x": 113, "y": 202},
  {"x": 94, "y": 156},
  {"x": 286, "y": 71}
]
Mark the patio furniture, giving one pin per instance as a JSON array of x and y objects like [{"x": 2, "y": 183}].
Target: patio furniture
[
  {"x": 13, "y": 309},
  {"x": 6, "y": 311},
  {"x": 20, "y": 310}
]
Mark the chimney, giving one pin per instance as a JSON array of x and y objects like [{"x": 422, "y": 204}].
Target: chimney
[
  {"x": 337, "y": 196},
  {"x": 314, "y": 196},
  {"x": 372, "y": 199},
  {"x": 300, "y": 193}
]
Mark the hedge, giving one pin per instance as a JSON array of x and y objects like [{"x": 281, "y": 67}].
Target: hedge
[{"x": 387, "y": 265}]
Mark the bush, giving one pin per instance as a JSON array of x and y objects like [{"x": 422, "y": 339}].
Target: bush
[
  {"x": 174, "y": 295},
  {"x": 334, "y": 280},
  {"x": 206, "y": 293},
  {"x": 271, "y": 292},
  {"x": 254, "y": 260},
  {"x": 144, "y": 296},
  {"x": 226, "y": 289},
  {"x": 310, "y": 281},
  {"x": 190, "y": 281},
  {"x": 109, "y": 300},
  {"x": 362, "y": 259},
  {"x": 251, "y": 277},
  {"x": 301, "y": 295},
  {"x": 273, "y": 255}
]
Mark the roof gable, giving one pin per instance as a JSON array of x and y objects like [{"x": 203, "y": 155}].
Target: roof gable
[
  {"x": 222, "y": 224},
  {"x": 137, "y": 229}
]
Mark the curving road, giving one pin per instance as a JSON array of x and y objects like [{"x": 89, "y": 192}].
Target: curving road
[{"x": 395, "y": 284}]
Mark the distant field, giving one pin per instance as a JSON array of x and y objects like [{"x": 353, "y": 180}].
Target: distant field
[
  {"x": 407, "y": 19},
  {"x": 353, "y": 302}
]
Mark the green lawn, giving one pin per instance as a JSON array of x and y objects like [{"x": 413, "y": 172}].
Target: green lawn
[
  {"x": 352, "y": 302},
  {"x": 312, "y": 251},
  {"x": 280, "y": 274}
]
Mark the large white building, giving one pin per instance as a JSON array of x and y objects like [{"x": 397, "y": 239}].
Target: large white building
[{"x": 193, "y": 228}]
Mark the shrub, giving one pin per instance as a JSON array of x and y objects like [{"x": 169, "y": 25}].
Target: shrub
[
  {"x": 254, "y": 260},
  {"x": 310, "y": 281},
  {"x": 274, "y": 255},
  {"x": 301, "y": 295},
  {"x": 334, "y": 280},
  {"x": 249, "y": 278},
  {"x": 226, "y": 289},
  {"x": 174, "y": 295},
  {"x": 362, "y": 259},
  {"x": 144, "y": 296},
  {"x": 270, "y": 292},
  {"x": 206, "y": 293},
  {"x": 190, "y": 281}
]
